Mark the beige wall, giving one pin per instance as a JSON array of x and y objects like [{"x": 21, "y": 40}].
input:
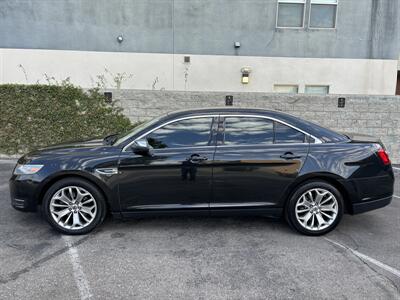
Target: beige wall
[{"x": 204, "y": 73}]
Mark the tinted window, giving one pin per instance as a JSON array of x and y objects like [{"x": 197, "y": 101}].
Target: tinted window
[
  {"x": 184, "y": 133},
  {"x": 286, "y": 134},
  {"x": 248, "y": 130}
]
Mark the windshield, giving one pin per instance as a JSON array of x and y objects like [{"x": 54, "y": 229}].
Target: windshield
[{"x": 126, "y": 136}]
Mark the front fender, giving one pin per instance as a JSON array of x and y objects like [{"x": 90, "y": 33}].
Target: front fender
[{"x": 107, "y": 185}]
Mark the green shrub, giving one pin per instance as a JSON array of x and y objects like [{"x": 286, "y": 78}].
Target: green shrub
[{"x": 33, "y": 116}]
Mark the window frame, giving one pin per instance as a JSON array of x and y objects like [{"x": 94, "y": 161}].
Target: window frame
[
  {"x": 286, "y": 84},
  {"x": 316, "y": 85},
  {"x": 303, "y": 2},
  {"x": 219, "y": 116},
  {"x": 319, "y": 2},
  {"x": 274, "y": 120}
]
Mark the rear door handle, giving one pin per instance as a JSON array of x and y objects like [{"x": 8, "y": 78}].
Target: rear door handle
[
  {"x": 289, "y": 155},
  {"x": 195, "y": 158}
]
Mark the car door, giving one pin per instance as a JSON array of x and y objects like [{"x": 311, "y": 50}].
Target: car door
[
  {"x": 176, "y": 175},
  {"x": 255, "y": 161}
]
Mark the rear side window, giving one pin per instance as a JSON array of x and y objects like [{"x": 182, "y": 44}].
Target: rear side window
[
  {"x": 184, "y": 133},
  {"x": 248, "y": 131},
  {"x": 253, "y": 130},
  {"x": 285, "y": 134}
]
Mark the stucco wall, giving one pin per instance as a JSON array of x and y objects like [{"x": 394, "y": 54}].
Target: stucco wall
[
  {"x": 203, "y": 73},
  {"x": 374, "y": 115}
]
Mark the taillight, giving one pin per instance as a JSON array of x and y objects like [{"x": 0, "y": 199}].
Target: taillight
[{"x": 382, "y": 154}]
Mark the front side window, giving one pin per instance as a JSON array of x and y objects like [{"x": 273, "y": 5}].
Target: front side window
[
  {"x": 323, "y": 13},
  {"x": 290, "y": 13},
  {"x": 248, "y": 131},
  {"x": 184, "y": 133}
]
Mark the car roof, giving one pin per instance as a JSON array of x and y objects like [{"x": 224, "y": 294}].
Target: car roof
[{"x": 324, "y": 134}]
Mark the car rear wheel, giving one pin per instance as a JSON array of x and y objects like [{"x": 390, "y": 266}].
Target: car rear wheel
[
  {"x": 74, "y": 206},
  {"x": 315, "y": 208}
]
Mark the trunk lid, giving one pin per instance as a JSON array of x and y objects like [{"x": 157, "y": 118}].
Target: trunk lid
[{"x": 362, "y": 138}]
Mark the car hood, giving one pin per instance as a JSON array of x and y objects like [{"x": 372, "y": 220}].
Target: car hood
[
  {"x": 75, "y": 145},
  {"x": 88, "y": 147}
]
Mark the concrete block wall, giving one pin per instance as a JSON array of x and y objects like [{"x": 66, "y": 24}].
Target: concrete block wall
[{"x": 373, "y": 115}]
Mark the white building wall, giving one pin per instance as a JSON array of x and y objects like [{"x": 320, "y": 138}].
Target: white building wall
[{"x": 203, "y": 73}]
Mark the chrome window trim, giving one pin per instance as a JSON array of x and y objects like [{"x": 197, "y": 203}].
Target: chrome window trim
[{"x": 316, "y": 140}]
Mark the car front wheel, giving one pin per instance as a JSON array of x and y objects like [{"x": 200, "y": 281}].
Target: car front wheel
[
  {"x": 74, "y": 206},
  {"x": 315, "y": 208}
]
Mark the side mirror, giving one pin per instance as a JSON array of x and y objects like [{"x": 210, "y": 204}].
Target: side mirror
[{"x": 141, "y": 147}]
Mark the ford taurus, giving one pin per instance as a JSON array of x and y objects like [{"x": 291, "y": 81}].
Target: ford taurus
[{"x": 217, "y": 161}]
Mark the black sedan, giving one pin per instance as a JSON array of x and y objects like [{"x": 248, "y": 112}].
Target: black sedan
[{"x": 217, "y": 161}]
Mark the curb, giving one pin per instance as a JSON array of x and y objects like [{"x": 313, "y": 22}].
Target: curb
[{"x": 4, "y": 158}]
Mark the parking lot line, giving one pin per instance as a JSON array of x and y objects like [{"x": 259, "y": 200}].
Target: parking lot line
[
  {"x": 396, "y": 196},
  {"x": 366, "y": 258},
  {"x": 79, "y": 275},
  {"x": 398, "y": 169}
]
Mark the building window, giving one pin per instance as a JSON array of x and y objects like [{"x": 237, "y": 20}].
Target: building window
[
  {"x": 323, "y": 13},
  {"x": 317, "y": 89},
  {"x": 290, "y": 13},
  {"x": 286, "y": 88}
]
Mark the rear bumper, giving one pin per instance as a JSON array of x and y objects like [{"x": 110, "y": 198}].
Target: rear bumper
[{"x": 370, "y": 205}]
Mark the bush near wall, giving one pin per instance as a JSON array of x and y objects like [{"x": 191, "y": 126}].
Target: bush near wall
[{"x": 34, "y": 116}]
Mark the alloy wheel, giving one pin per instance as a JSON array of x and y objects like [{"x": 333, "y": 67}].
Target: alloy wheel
[
  {"x": 316, "y": 209},
  {"x": 73, "y": 207}
]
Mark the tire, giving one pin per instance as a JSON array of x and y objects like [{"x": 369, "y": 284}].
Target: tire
[
  {"x": 304, "y": 214},
  {"x": 68, "y": 215}
]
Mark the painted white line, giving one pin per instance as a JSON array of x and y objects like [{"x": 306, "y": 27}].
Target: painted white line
[
  {"x": 396, "y": 196},
  {"x": 79, "y": 275},
  {"x": 398, "y": 169},
  {"x": 366, "y": 258}
]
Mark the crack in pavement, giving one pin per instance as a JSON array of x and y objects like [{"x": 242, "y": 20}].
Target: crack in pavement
[
  {"x": 365, "y": 259},
  {"x": 14, "y": 275},
  {"x": 350, "y": 237}
]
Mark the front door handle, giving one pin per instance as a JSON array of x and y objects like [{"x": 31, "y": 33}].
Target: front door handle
[
  {"x": 195, "y": 158},
  {"x": 289, "y": 155}
]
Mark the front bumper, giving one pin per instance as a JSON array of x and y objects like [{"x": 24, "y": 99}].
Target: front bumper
[
  {"x": 23, "y": 194},
  {"x": 370, "y": 205}
]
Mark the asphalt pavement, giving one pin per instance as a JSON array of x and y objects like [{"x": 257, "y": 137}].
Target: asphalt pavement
[{"x": 199, "y": 258}]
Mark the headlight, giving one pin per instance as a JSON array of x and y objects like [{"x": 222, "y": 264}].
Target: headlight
[{"x": 27, "y": 169}]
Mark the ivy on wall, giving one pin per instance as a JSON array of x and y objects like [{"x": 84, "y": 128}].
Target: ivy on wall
[{"x": 34, "y": 116}]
